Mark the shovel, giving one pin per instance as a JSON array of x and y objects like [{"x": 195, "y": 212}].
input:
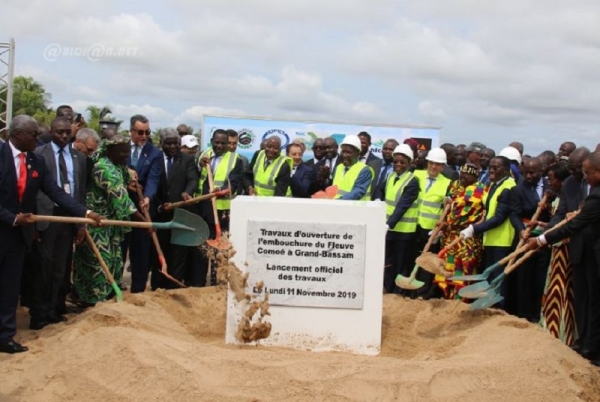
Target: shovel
[
  {"x": 105, "y": 268},
  {"x": 161, "y": 256},
  {"x": 492, "y": 295},
  {"x": 187, "y": 229},
  {"x": 219, "y": 242},
  {"x": 485, "y": 274},
  {"x": 535, "y": 217},
  {"x": 411, "y": 283}
]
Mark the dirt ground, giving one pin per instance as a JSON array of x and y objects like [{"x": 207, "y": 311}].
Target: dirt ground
[{"x": 169, "y": 346}]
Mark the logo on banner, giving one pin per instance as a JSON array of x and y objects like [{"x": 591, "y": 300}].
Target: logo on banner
[
  {"x": 424, "y": 143},
  {"x": 245, "y": 138},
  {"x": 285, "y": 139}
]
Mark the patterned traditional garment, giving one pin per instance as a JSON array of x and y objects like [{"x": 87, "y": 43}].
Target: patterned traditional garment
[
  {"x": 465, "y": 257},
  {"x": 106, "y": 196},
  {"x": 558, "y": 311}
]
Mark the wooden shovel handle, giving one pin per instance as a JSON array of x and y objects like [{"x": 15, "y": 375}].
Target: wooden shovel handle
[
  {"x": 535, "y": 217},
  {"x": 436, "y": 230},
  {"x": 200, "y": 198},
  {"x": 511, "y": 267},
  {"x": 442, "y": 253},
  {"x": 146, "y": 214},
  {"x": 211, "y": 185},
  {"x": 105, "y": 268},
  {"x": 71, "y": 219}
]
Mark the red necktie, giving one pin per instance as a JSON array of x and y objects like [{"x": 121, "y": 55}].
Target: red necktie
[{"x": 22, "y": 177}]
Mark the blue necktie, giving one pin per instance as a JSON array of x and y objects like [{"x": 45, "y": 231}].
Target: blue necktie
[
  {"x": 429, "y": 183},
  {"x": 169, "y": 166},
  {"x": 135, "y": 156}
]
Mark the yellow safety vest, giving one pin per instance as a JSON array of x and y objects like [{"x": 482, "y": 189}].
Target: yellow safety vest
[
  {"x": 503, "y": 235},
  {"x": 264, "y": 179},
  {"x": 345, "y": 180},
  {"x": 220, "y": 175},
  {"x": 431, "y": 203},
  {"x": 393, "y": 193}
]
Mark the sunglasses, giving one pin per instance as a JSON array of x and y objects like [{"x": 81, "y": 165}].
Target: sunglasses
[{"x": 142, "y": 132}]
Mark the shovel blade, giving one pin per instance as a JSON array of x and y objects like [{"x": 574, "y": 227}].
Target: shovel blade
[
  {"x": 486, "y": 302},
  {"x": 475, "y": 291},
  {"x": 188, "y": 229},
  {"x": 406, "y": 283},
  {"x": 478, "y": 277},
  {"x": 431, "y": 263}
]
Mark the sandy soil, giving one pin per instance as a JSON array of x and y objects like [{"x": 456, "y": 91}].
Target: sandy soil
[{"x": 168, "y": 346}]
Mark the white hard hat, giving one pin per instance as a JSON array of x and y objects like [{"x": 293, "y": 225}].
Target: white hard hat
[
  {"x": 437, "y": 155},
  {"x": 352, "y": 140},
  {"x": 189, "y": 141},
  {"x": 511, "y": 153},
  {"x": 405, "y": 150}
]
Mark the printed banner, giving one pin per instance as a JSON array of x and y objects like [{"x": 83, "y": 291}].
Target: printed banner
[{"x": 252, "y": 131}]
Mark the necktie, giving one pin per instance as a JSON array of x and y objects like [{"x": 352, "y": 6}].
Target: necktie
[
  {"x": 136, "y": 156},
  {"x": 384, "y": 172},
  {"x": 267, "y": 163},
  {"x": 346, "y": 169},
  {"x": 169, "y": 166},
  {"x": 396, "y": 179},
  {"x": 213, "y": 163},
  {"x": 429, "y": 183},
  {"x": 22, "y": 177},
  {"x": 293, "y": 170},
  {"x": 62, "y": 167}
]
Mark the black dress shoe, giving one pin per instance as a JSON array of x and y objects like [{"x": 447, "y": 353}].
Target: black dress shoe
[
  {"x": 576, "y": 347},
  {"x": 590, "y": 354},
  {"x": 12, "y": 347},
  {"x": 54, "y": 319},
  {"x": 36, "y": 325},
  {"x": 595, "y": 362}
]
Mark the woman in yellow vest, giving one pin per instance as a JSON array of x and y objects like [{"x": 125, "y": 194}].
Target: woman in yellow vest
[
  {"x": 271, "y": 171},
  {"x": 400, "y": 192},
  {"x": 434, "y": 187},
  {"x": 352, "y": 177}
]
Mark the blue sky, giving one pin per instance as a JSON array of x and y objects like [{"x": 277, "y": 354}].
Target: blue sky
[{"x": 488, "y": 71}]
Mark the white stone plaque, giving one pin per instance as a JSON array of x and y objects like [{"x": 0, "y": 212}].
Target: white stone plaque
[{"x": 307, "y": 264}]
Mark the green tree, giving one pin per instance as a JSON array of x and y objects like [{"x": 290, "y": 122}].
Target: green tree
[
  {"x": 97, "y": 114},
  {"x": 29, "y": 97}
]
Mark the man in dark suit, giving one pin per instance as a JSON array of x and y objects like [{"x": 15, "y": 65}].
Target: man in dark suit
[
  {"x": 385, "y": 170},
  {"x": 325, "y": 167},
  {"x": 587, "y": 224},
  {"x": 178, "y": 181},
  {"x": 22, "y": 175},
  {"x": 530, "y": 280},
  {"x": 146, "y": 160},
  {"x": 366, "y": 156},
  {"x": 54, "y": 247},
  {"x": 318, "y": 149},
  {"x": 451, "y": 169},
  {"x": 302, "y": 176},
  {"x": 574, "y": 191}
]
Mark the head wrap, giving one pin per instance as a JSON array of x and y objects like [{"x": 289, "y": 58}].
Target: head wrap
[
  {"x": 103, "y": 149},
  {"x": 469, "y": 168}
]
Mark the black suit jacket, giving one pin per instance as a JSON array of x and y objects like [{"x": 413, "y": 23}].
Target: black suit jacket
[
  {"x": 302, "y": 182},
  {"x": 38, "y": 178},
  {"x": 571, "y": 197},
  {"x": 524, "y": 202},
  {"x": 45, "y": 206},
  {"x": 450, "y": 173},
  {"x": 379, "y": 182},
  {"x": 182, "y": 179},
  {"x": 374, "y": 163},
  {"x": 322, "y": 185},
  {"x": 586, "y": 224}
]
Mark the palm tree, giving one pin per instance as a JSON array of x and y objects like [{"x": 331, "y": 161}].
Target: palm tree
[
  {"x": 29, "y": 97},
  {"x": 97, "y": 114}
]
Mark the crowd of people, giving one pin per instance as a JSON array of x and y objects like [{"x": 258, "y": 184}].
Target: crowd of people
[{"x": 493, "y": 202}]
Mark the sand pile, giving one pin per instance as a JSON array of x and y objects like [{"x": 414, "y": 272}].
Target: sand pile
[{"x": 168, "y": 346}]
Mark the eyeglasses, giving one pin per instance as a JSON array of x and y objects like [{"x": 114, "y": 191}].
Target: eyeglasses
[{"x": 142, "y": 132}]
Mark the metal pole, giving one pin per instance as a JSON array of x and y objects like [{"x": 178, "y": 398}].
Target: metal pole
[{"x": 11, "y": 72}]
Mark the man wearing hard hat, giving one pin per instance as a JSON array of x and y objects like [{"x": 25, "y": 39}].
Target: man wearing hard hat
[
  {"x": 400, "y": 192},
  {"x": 433, "y": 189},
  {"x": 352, "y": 177}
]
